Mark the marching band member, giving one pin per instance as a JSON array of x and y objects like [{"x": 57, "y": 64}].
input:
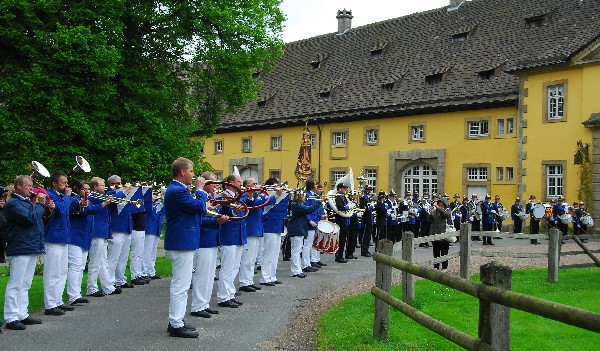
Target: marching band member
[
  {"x": 381, "y": 216},
  {"x": 551, "y": 220},
  {"x": 121, "y": 226},
  {"x": 417, "y": 219},
  {"x": 424, "y": 219},
  {"x": 82, "y": 223},
  {"x": 155, "y": 216},
  {"x": 440, "y": 214},
  {"x": 341, "y": 203},
  {"x": 315, "y": 255},
  {"x": 559, "y": 210},
  {"x": 205, "y": 257},
  {"x": 2, "y": 229},
  {"x": 515, "y": 210},
  {"x": 353, "y": 230},
  {"x": 394, "y": 232},
  {"x": 98, "y": 265},
  {"x": 57, "y": 238},
  {"x": 25, "y": 240},
  {"x": 273, "y": 226},
  {"x": 578, "y": 227},
  {"x": 298, "y": 231},
  {"x": 455, "y": 208},
  {"x": 367, "y": 221},
  {"x": 309, "y": 260},
  {"x": 475, "y": 222},
  {"x": 232, "y": 237},
  {"x": 254, "y": 230},
  {"x": 498, "y": 207},
  {"x": 138, "y": 237},
  {"x": 182, "y": 239},
  {"x": 464, "y": 211},
  {"x": 487, "y": 219},
  {"x": 534, "y": 223}
]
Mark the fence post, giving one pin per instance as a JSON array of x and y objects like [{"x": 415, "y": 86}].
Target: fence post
[
  {"x": 383, "y": 280},
  {"x": 553, "y": 254},
  {"x": 465, "y": 251},
  {"x": 408, "y": 280},
  {"x": 494, "y": 319}
]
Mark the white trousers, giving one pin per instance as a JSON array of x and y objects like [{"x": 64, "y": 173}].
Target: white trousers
[
  {"x": 77, "y": 259},
  {"x": 118, "y": 252},
  {"x": 149, "y": 257},
  {"x": 137, "y": 252},
  {"x": 182, "y": 263},
  {"x": 296, "y": 263},
  {"x": 98, "y": 268},
  {"x": 306, "y": 247},
  {"x": 16, "y": 298},
  {"x": 231, "y": 256},
  {"x": 56, "y": 267},
  {"x": 248, "y": 260},
  {"x": 261, "y": 251},
  {"x": 203, "y": 278},
  {"x": 268, "y": 272},
  {"x": 315, "y": 255}
]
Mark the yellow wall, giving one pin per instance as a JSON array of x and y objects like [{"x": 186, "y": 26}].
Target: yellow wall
[{"x": 557, "y": 140}]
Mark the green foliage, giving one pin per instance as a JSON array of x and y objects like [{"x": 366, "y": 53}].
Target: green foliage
[
  {"x": 125, "y": 83},
  {"x": 584, "y": 193},
  {"x": 349, "y": 324}
]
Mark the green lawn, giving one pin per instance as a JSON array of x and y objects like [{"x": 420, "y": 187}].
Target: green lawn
[
  {"x": 36, "y": 297},
  {"x": 349, "y": 324}
]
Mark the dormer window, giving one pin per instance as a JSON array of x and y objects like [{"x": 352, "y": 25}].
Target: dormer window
[
  {"x": 324, "y": 95},
  {"x": 388, "y": 86},
  {"x": 377, "y": 50},
  {"x": 315, "y": 64},
  {"x": 434, "y": 78},
  {"x": 536, "y": 21},
  {"x": 262, "y": 103},
  {"x": 256, "y": 75},
  {"x": 458, "y": 37},
  {"x": 486, "y": 75},
  {"x": 318, "y": 61}
]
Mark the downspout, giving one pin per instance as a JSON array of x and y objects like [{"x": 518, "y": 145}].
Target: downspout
[{"x": 319, "y": 151}]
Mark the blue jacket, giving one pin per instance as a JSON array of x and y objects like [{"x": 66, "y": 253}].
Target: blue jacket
[
  {"x": 486, "y": 212},
  {"x": 58, "y": 227},
  {"x": 314, "y": 216},
  {"x": 232, "y": 232},
  {"x": 274, "y": 216},
  {"x": 254, "y": 226},
  {"x": 101, "y": 222},
  {"x": 182, "y": 212},
  {"x": 298, "y": 225},
  {"x": 82, "y": 223},
  {"x": 155, "y": 217},
  {"x": 24, "y": 227},
  {"x": 120, "y": 222},
  {"x": 209, "y": 232}
]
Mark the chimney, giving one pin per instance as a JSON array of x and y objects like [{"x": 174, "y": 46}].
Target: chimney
[{"x": 344, "y": 18}]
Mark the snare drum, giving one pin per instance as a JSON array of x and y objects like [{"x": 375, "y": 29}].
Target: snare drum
[
  {"x": 539, "y": 211},
  {"x": 566, "y": 218},
  {"x": 587, "y": 221},
  {"x": 327, "y": 237}
]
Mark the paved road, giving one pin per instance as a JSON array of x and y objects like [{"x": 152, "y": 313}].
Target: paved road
[{"x": 137, "y": 319}]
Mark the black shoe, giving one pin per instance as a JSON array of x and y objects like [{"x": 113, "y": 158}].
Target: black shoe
[
  {"x": 237, "y": 293},
  {"x": 188, "y": 327},
  {"x": 211, "y": 311},
  {"x": 229, "y": 304},
  {"x": 321, "y": 263},
  {"x": 98, "y": 293},
  {"x": 183, "y": 332},
  {"x": 155, "y": 277},
  {"x": 366, "y": 254},
  {"x": 53, "y": 312},
  {"x": 256, "y": 287},
  {"x": 66, "y": 308},
  {"x": 80, "y": 300},
  {"x": 202, "y": 314},
  {"x": 138, "y": 281},
  {"x": 30, "y": 321},
  {"x": 16, "y": 325},
  {"x": 315, "y": 265},
  {"x": 309, "y": 270},
  {"x": 491, "y": 244},
  {"x": 286, "y": 258},
  {"x": 268, "y": 284},
  {"x": 340, "y": 260},
  {"x": 277, "y": 282},
  {"x": 247, "y": 288},
  {"x": 484, "y": 243},
  {"x": 258, "y": 268},
  {"x": 239, "y": 303},
  {"x": 126, "y": 286},
  {"x": 299, "y": 275},
  {"x": 351, "y": 257},
  {"x": 117, "y": 291},
  {"x": 216, "y": 278}
]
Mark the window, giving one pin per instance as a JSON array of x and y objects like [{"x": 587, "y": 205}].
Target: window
[
  {"x": 477, "y": 174},
  {"x": 500, "y": 173},
  {"x": 434, "y": 78},
  {"x": 556, "y": 102},
  {"x": 324, "y": 96},
  {"x": 536, "y": 21},
  {"x": 505, "y": 127},
  {"x": 388, "y": 86},
  {"x": 478, "y": 129},
  {"x": 372, "y": 136},
  {"x": 336, "y": 175},
  {"x": 510, "y": 174},
  {"x": 554, "y": 180},
  {"x": 218, "y": 174},
  {"x": 458, "y": 37},
  {"x": 315, "y": 64},
  {"x": 246, "y": 145},
  {"x": 501, "y": 127},
  {"x": 339, "y": 138},
  {"x": 510, "y": 126},
  {"x": 371, "y": 175},
  {"x": 262, "y": 103},
  {"x": 218, "y": 146},
  {"x": 487, "y": 75},
  {"x": 420, "y": 178},
  {"x": 275, "y": 173},
  {"x": 418, "y": 133},
  {"x": 377, "y": 52},
  {"x": 276, "y": 143},
  {"x": 313, "y": 140}
]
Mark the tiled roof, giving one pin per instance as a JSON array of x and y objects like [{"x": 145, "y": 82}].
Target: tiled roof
[{"x": 416, "y": 46}]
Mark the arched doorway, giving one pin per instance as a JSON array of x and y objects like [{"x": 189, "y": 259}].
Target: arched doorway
[
  {"x": 421, "y": 178},
  {"x": 249, "y": 172}
]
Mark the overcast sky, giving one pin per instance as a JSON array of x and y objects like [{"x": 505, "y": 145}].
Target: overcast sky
[{"x": 309, "y": 18}]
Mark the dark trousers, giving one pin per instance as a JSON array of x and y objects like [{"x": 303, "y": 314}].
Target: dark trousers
[
  {"x": 286, "y": 248},
  {"x": 367, "y": 229},
  {"x": 517, "y": 226},
  {"x": 440, "y": 248},
  {"x": 2, "y": 247},
  {"x": 534, "y": 228},
  {"x": 343, "y": 241},
  {"x": 476, "y": 227},
  {"x": 424, "y": 231},
  {"x": 487, "y": 227},
  {"x": 351, "y": 243},
  {"x": 562, "y": 227}
]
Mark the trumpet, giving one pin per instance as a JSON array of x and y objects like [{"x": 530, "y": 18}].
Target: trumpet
[{"x": 137, "y": 203}]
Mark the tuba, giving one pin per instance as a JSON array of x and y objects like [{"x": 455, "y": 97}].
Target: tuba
[
  {"x": 81, "y": 166},
  {"x": 347, "y": 180}
]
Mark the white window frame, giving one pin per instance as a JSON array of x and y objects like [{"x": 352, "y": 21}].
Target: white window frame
[
  {"x": 340, "y": 138},
  {"x": 218, "y": 174},
  {"x": 336, "y": 175},
  {"x": 420, "y": 178},
  {"x": 477, "y": 174},
  {"x": 371, "y": 175},
  {"x": 275, "y": 173},
  {"x": 276, "y": 142},
  {"x": 556, "y": 102},
  {"x": 372, "y": 136},
  {"x": 510, "y": 174},
  {"x": 554, "y": 180},
  {"x": 501, "y": 126},
  {"x": 478, "y": 129},
  {"x": 510, "y": 126},
  {"x": 246, "y": 145},
  {"x": 500, "y": 173},
  {"x": 417, "y": 133},
  {"x": 218, "y": 146}
]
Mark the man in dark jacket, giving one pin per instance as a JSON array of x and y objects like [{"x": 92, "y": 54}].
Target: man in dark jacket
[{"x": 25, "y": 239}]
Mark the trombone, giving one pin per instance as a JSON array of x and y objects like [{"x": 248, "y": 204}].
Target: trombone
[{"x": 137, "y": 203}]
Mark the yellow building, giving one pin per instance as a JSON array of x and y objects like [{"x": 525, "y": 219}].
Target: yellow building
[{"x": 485, "y": 96}]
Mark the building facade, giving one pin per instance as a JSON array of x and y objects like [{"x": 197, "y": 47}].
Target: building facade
[{"x": 485, "y": 96}]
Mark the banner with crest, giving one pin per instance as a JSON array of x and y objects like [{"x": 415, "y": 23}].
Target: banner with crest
[{"x": 303, "y": 167}]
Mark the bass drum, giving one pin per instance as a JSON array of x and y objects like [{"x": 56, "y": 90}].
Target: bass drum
[
  {"x": 539, "y": 211},
  {"x": 587, "y": 221},
  {"x": 327, "y": 237},
  {"x": 504, "y": 214},
  {"x": 566, "y": 218}
]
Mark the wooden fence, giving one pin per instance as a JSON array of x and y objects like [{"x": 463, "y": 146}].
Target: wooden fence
[{"x": 495, "y": 302}]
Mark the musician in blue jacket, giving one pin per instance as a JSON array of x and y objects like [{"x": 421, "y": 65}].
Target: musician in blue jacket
[
  {"x": 498, "y": 207},
  {"x": 205, "y": 257},
  {"x": 560, "y": 209},
  {"x": 534, "y": 223},
  {"x": 98, "y": 265},
  {"x": 456, "y": 213},
  {"x": 487, "y": 219},
  {"x": 155, "y": 217},
  {"x": 25, "y": 240},
  {"x": 273, "y": 226},
  {"x": 367, "y": 221},
  {"x": 232, "y": 237},
  {"x": 82, "y": 222},
  {"x": 57, "y": 240},
  {"x": 311, "y": 257},
  {"x": 121, "y": 226},
  {"x": 182, "y": 239},
  {"x": 515, "y": 210},
  {"x": 342, "y": 205},
  {"x": 298, "y": 230}
]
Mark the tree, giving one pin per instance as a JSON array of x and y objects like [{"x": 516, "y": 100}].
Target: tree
[{"x": 125, "y": 83}]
